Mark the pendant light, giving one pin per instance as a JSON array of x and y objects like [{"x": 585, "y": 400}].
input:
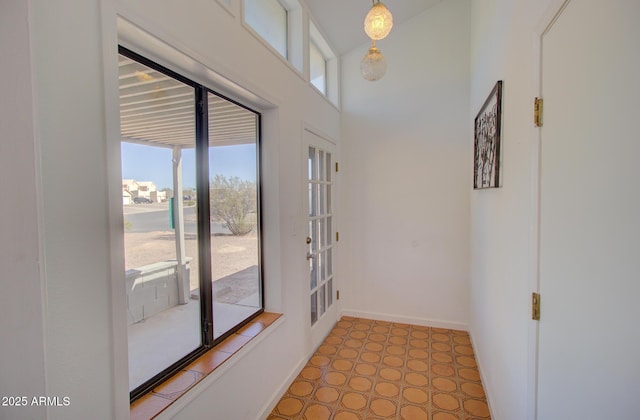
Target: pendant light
[
  {"x": 378, "y": 22},
  {"x": 373, "y": 66}
]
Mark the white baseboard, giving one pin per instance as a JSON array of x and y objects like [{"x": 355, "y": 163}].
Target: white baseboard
[
  {"x": 487, "y": 391},
  {"x": 268, "y": 407},
  {"x": 437, "y": 323}
]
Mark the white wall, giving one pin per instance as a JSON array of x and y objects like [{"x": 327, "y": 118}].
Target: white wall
[
  {"x": 407, "y": 174},
  {"x": 502, "y": 49},
  {"x": 207, "y": 33},
  {"x": 22, "y": 363},
  {"x": 75, "y": 130}
]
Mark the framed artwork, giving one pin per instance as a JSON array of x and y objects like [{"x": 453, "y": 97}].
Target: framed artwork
[{"x": 486, "y": 141}]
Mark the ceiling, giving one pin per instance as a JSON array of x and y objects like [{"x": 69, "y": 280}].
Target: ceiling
[{"x": 342, "y": 21}]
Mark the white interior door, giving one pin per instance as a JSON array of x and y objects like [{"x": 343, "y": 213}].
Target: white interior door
[
  {"x": 589, "y": 337},
  {"x": 320, "y": 181}
]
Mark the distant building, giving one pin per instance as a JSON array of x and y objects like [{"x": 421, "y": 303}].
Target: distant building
[{"x": 147, "y": 189}]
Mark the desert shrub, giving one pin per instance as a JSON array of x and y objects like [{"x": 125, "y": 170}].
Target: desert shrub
[{"x": 234, "y": 201}]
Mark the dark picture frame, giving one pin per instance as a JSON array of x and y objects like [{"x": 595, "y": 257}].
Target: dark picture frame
[{"x": 486, "y": 141}]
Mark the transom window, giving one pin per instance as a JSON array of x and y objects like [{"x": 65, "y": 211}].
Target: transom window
[{"x": 191, "y": 207}]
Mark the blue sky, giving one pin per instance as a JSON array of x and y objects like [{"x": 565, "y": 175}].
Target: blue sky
[{"x": 147, "y": 163}]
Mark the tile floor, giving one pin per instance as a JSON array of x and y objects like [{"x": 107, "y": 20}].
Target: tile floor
[{"x": 381, "y": 370}]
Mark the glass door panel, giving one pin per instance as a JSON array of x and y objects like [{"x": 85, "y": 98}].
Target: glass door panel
[
  {"x": 157, "y": 118},
  {"x": 235, "y": 247}
]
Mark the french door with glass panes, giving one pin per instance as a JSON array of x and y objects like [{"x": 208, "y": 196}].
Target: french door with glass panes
[{"x": 321, "y": 235}]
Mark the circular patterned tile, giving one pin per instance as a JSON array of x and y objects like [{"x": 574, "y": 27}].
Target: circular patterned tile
[
  {"x": 359, "y": 335},
  {"x": 469, "y": 374},
  {"x": 342, "y": 365},
  {"x": 379, "y": 338},
  {"x": 370, "y": 357},
  {"x": 289, "y": 406},
  {"x": 395, "y": 350},
  {"x": 327, "y": 394},
  {"x": 477, "y": 408},
  {"x": 360, "y": 384},
  {"x": 348, "y": 353},
  {"x": 474, "y": 390},
  {"x": 317, "y": 412},
  {"x": 344, "y": 324},
  {"x": 440, "y": 337},
  {"x": 335, "y": 378},
  {"x": 445, "y": 416},
  {"x": 390, "y": 374},
  {"x": 421, "y": 335},
  {"x": 340, "y": 332},
  {"x": 345, "y": 415},
  {"x": 418, "y": 353},
  {"x": 327, "y": 349},
  {"x": 311, "y": 373},
  {"x": 442, "y": 357},
  {"x": 466, "y": 361},
  {"x": 333, "y": 340},
  {"x": 301, "y": 388},
  {"x": 440, "y": 330},
  {"x": 417, "y": 365},
  {"x": 320, "y": 361},
  {"x": 354, "y": 401},
  {"x": 411, "y": 412},
  {"x": 440, "y": 347},
  {"x": 356, "y": 344},
  {"x": 387, "y": 389},
  {"x": 419, "y": 344},
  {"x": 400, "y": 341},
  {"x": 393, "y": 361},
  {"x": 383, "y": 408},
  {"x": 461, "y": 340},
  {"x": 444, "y": 384},
  {"x": 374, "y": 346},
  {"x": 446, "y": 402},
  {"x": 416, "y": 379},
  {"x": 380, "y": 329},
  {"x": 400, "y": 331},
  {"x": 362, "y": 327},
  {"x": 365, "y": 369},
  {"x": 415, "y": 395},
  {"x": 442, "y": 370},
  {"x": 465, "y": 350}
]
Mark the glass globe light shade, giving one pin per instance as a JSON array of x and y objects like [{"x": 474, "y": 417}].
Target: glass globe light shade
[
  {"x": 378, "y": 22},
  {"x": 373, "y": 66}
]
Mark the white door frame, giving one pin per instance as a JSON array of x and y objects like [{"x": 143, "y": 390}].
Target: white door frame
[
  {"x": 317, "y": 334},
  {"x": 549, "y": 17}
]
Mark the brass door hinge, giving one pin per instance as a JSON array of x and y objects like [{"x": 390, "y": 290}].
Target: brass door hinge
[
  {"x": 336, "y": 166},
  {"x": 337, "y": 236},
  {"x": 337, "y": 294},
  {"x": 535, "y": 306},
  {"x": 537, "y": 112}
]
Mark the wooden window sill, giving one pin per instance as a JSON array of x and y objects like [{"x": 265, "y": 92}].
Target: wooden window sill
[{"x": 165, "y": 394}]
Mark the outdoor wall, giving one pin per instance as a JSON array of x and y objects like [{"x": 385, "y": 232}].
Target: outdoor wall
[
  {"x": 73, "y": 47},
  {"x": 502, "y": 49},
  {"x": 407, "y": 174},
  {"x": 22, "y": 362}
]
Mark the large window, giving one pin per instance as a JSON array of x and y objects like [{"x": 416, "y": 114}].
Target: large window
[{"x": 191, "y": 205}]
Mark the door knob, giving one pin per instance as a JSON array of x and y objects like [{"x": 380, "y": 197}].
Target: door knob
[{"x": 308, "y": 240}]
